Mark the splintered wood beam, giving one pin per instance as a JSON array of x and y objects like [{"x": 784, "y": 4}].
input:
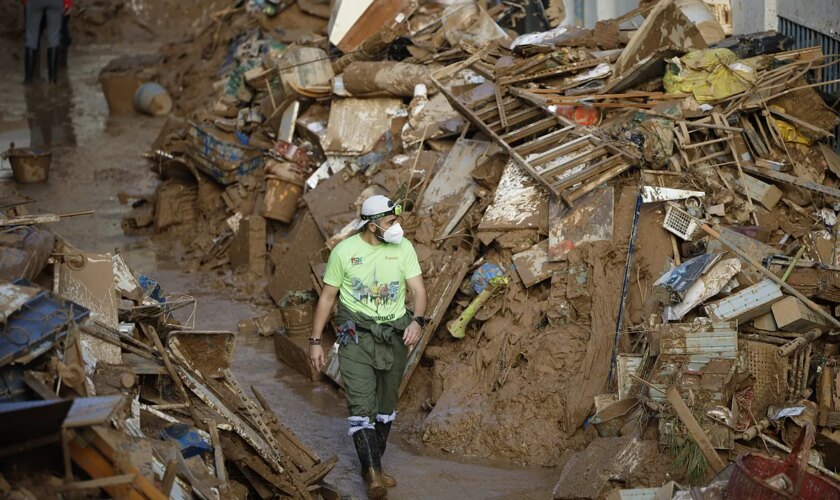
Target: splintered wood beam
[
  {"x": 569, "y": 68},
  {"x": 698, "y": 435},
  {"x": 796, "y": 181}
]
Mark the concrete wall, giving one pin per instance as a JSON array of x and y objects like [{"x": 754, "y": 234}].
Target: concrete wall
[
  {"x": 752, "y": 16},
  {"x": 587, "y": 12}
]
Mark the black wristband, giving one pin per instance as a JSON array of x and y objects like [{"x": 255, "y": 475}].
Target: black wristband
[
  {"x": 420, "y": 320},
  {"x": 314, "y": 341}
]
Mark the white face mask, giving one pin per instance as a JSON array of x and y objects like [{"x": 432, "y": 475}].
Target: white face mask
[{"x": 393, "y": 234}]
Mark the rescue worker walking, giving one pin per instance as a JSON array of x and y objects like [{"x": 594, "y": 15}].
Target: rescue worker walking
[
  {"x": 370, "y": 272},
  {"x": 53, "y": 10}
]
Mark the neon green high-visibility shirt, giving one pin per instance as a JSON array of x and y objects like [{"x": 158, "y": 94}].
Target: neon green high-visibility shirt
[{"x": 371, "y": 278}]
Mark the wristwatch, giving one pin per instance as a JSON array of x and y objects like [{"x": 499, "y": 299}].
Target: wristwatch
[{"x": 420, "y": 321}]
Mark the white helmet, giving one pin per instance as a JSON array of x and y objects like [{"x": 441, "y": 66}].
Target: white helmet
[{"x": 377, "y": 207}]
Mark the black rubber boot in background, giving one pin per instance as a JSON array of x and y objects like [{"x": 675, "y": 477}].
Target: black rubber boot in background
[
  {"x": 29, "y": 58},
  {"x": 367, "y": 446},
  {"x": 52, "y": 64},
  {"x": 65, "y": 42}
]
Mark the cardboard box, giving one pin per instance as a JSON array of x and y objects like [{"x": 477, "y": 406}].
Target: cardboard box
[
  {"x": 792, "y": 315},
  {"x": 220, "y": 155},
  {"x": 766, "y": 322}
]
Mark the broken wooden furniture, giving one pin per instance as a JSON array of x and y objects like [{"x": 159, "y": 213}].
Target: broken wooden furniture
[{"x": 565, "y": 159}]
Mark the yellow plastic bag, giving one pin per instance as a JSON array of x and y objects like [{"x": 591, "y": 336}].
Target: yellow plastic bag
[
  {"x": 788, "y": 132},
  {"x": 710, "y": 75}
]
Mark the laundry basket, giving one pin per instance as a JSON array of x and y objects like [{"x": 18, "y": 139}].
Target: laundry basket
[{"x": 748, "y": 481}]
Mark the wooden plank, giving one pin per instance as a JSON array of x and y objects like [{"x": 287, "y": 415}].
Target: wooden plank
[
  {"x": 533, "y": 265},
  {"x": 562, "y": 150},
  {"x": 95, "y": 483},
  {"x": 169, "y": 475},
  {"x": 789, "y": 179},
  {"x": 518, "y": 203},
  {"x": 789, "y": 289},
  {"x": 490, "y": 107},
  {"x": 91, "y": 411},
  {"x": 150, "y": 332},
  {"x": 664, "y": 28},
  {"x": 694, "y": 430},
  {"x": 100, "y": 460},
  {"x": 516, "y": 118},
  {"x": 799, "y": 123},
  {"x": 218, "y": 456},
  {"x": 590, "y": 220},
  {"x": 594, "y": 183},
  {"x": 565, "y": 148},
  {"x": 448, "y": 281},
  {"x": 300, "y": 454},
  {"x": 500, "y": 104},
  {"x": 37, "y": 386},
  {"x": 569, "y": 68},
  {"x": 587, "y": 157},
  {"x": 546, "y": 140},
  {"x": 319, "y": 472},
  {"x": 588, "y": 172},
  {"x": 531, "y": 129}
]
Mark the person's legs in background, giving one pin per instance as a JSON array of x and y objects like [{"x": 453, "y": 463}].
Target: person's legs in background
[
  {"x": 65, "y": 40},
  {"x": 32, "y": 15},
  {"x": 53, "y": 13}
]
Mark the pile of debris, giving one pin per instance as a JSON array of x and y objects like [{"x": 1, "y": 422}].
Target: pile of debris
[
  {"x": 644, "y": 208},
  {"x": 107, "y": 387}
]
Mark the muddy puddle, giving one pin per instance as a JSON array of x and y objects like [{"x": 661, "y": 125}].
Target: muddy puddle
[{"x": 95, "y": 157}]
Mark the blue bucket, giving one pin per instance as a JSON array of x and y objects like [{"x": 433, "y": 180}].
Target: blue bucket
[{"x": 152, "y": 99}]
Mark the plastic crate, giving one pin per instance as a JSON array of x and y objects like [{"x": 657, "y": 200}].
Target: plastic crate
[{"x": 681, "y": 223}]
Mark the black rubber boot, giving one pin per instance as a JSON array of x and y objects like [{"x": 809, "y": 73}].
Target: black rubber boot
[
  {"x": 382, "y": 431},
  {"x": 52, "y": 64},
  {"x": 65, "y": 42},
  {"x": 367, "y": 446},
  {"x": 62, "y": 57},
  {"x": 30, "y": 56}
]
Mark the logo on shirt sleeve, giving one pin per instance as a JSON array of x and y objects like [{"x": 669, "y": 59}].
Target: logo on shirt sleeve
[{"x": 356, "y": 261}]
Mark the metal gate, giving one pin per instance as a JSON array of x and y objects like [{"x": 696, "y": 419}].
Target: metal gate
[{"x": 806, "y": 37}]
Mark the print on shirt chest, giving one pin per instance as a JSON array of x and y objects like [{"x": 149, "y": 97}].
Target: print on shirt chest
[{"x": 367, "y": 283}]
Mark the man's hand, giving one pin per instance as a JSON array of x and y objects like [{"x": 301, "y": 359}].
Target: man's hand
[
  {"x": 316, "y": 357},
  {"x": 412, "y": 334}
]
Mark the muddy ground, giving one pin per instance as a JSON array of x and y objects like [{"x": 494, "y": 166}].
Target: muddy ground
[{"x": 95, "y": 157}]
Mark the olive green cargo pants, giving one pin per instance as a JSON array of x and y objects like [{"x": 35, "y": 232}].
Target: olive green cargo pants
[{"x": 370, "y": 392}]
